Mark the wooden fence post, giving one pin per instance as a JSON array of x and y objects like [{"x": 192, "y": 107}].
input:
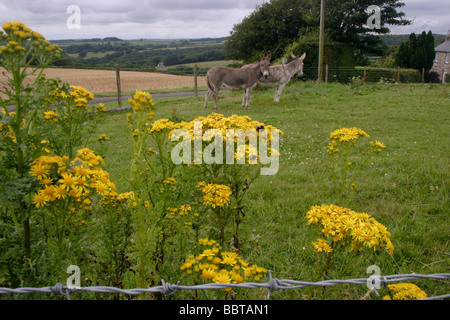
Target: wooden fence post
[
  {"x": 321, "y": 41},
  {"x": 326, "y": 73},
  {"x": 119, "y": 90},
  {"x": 365, "y": 75},
  {"x": 423, "y": 75},
  {"x": 195, "y": 80}
]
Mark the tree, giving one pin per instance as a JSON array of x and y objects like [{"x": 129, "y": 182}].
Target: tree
[
  {"x": 275, "y": 24},
  {"x": 346, "y": 22},
  {"x": 418, "y": 53},
  {"x": 431, "y": 53},
  {"x": 272, "y": 26},
  {"x": 403, "y": 55}
]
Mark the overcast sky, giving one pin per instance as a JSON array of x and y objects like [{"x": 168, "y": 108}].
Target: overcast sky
[{"x": 173, "y": 19}]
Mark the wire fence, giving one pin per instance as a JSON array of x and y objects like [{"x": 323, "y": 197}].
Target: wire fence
[
  {"x": 274, "y": 284},
  {"x": 344, "y": 75}
]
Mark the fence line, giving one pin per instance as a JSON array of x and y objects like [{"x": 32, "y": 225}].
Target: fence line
[
  {"x": 272, "y": 285},
  {"x": 331, "y": 74}
]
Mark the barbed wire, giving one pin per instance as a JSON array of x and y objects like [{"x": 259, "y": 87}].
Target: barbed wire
[{"x": 273, "y": 284}]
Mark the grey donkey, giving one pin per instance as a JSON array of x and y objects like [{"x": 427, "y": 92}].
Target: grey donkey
[
  {"x": 237, "y": 79},
  {"x": 280, "y": 75}
]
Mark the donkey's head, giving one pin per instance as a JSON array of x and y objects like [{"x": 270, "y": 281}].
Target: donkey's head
[
  {"x": 299, "y": 61},
  {"x": 264, "y": 64}
]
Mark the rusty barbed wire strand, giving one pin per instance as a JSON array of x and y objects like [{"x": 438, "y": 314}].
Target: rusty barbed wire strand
[{"x": 272, "y": 285}]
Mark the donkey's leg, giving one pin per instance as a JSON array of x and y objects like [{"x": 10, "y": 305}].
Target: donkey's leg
[
  {"x": 278, "y": 92},
  {"x": 244, "y": 98},
  {"x": 248, "y": 92},
  {"x": 207, "y": 95},
  {"x": 215, "y": 94}
]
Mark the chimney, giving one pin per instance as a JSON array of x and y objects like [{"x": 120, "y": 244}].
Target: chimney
[{"x": 448, "y": 36}]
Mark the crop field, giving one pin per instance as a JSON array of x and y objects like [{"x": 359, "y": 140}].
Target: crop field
[
  {"x": 102, "y": 81},
  {"x": 405, "y": 187},
  {"x": 207, "y": 64}
]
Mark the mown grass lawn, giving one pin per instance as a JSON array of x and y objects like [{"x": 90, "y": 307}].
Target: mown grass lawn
[{"x": 405, "y": 187}]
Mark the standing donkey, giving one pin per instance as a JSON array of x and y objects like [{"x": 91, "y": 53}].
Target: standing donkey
[
  {"x": 280, "y": 75},
  {"x": 237, "y": 79}
]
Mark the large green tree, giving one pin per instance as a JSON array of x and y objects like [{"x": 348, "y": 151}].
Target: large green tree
[
  {"x": 275, "y": 24},
  {"x": 418, "y": 52},
  {"x": 272, "y": 26}
]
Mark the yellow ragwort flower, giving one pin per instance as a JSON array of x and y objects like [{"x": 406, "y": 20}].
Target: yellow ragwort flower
[
  {"x": 405, "y": 291},
  {"x": 215, "y": 195},
  {"x": 339, "y": 224}
]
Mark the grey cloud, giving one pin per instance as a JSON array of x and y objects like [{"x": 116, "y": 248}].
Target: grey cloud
[
  {"x": 130, "y": 19},
  {"x": 426, "y": 15}
]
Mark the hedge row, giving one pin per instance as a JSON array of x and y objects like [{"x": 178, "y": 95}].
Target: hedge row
[{"x": 375, "y": 74}]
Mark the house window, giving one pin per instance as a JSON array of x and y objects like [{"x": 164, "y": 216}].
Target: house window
[{"x": 447, "y": 57}]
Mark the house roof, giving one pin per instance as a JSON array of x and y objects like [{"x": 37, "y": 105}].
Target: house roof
[{"x": 443, "y": 47}]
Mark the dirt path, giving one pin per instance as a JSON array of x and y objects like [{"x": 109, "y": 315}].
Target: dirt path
[
  {"x": 154, "y": 95},
  {"x": 98, "y": 100}
]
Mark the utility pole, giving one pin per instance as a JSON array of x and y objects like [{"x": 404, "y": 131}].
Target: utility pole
[{"x": 321, "y": 40}]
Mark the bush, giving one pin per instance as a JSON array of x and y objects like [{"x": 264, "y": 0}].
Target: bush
[
  {"x": 432, "y": 77},
  {"x": 375, "y": 74},
  {"x": 339, "y": 56}
]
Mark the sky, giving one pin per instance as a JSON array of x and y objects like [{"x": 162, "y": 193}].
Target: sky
[{"x": 173, "y": 19}]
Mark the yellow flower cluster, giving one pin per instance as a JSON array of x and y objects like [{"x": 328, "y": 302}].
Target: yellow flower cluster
[
  {"x": 160, "y": 125},
  {"x": 215, "y": 195},
  {"x": 100, "y": 107},
  {"x": 17, "y": 35},
  {"x": 249, "y": 153},
  {"x": 184, "y": 212},
  {"x": 405, "y": 291},
  {"x": 103, "y": 138},
  {"x": 347, "y": 134},
  {"x": 76, "y": 180},
  {"x": 141, "y": 101},
  {"x": 114, "y": 199},
  {"x": 341, "y": 224},
  {"x": 77, "y": 96},
  {"x": 221, "y": 267},
  {"x": 50, "y": 116},
  {"x": 343, "y": 136},
  {"x": 322, "y": 246},
  {"x": 170, "y": 181},
  {"x": 376, "y": 146},
  {"x": 222, "y": 123},
  {"x": 5, "y": 130}
]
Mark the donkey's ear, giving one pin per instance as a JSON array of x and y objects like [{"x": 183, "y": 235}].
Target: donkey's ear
[
  {"x": 269, "y": 55},
  {"x": 303, "y": 56},
  {"x": 293, "y": 55},
  {"x": 263, "y": 54}
]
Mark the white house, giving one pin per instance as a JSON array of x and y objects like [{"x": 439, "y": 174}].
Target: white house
[{"x": 442, "y": 61}]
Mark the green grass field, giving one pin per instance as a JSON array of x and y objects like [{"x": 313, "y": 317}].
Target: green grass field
[{"x": 405, "y": 187}]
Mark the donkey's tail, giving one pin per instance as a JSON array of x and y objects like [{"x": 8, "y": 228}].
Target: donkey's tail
[{"x": 210, "y": 85}]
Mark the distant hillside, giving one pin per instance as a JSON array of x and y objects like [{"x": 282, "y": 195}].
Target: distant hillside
[
  {"x": 138, "y": 54},
  {"x": 158, "y": 54},
  {"x": 64, "y": 42},
  {"x": 397, "y": 39}
]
